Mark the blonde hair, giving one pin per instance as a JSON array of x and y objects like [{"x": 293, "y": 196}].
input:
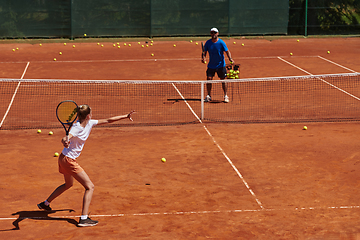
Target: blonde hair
[{"x": 83, "y": 111}]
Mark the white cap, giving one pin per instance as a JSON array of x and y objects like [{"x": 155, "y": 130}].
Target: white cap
[{"x": 214, "y": 30}]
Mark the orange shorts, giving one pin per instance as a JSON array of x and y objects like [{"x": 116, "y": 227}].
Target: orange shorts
[{"x": 68, "y": 165}]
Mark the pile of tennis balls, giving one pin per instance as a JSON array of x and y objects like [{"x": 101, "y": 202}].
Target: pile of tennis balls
[{"x": 232, "y": 74}]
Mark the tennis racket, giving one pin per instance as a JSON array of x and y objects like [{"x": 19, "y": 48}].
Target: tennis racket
[
  {"x": 203, "y": 51},
  {"x": 66, "y": 113}
]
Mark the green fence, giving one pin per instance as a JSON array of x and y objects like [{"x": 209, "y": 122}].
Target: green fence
[
  {"x": 318, "y": 17},
  {"x": 148, "y": 18}
]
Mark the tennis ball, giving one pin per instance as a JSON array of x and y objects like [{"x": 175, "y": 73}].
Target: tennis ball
[
  {"x": 291, "y": 54},
  {"x": 197, "y": 43},
  {"x": 234, "y": 42},
  {"x": 139, "y": 43},
  {"x": 54, "y": 59},
  {"x": 65, "y": 44},
  {"x": 205, "y": 62},
  {"x": 51, "y": 133},
  {"x": 151, "y": 44},
  {"x": 163, "y": 159},
  {"x": 40, "y": 44},
  {"x": 39, "y": 131},
  {"x": 142, "y": 46},
  {"x": 129, "y": 44},
  {"x": 152, "y": 54},
  {"x": 174, "y": 45},
  {"x": 298, "y": 40},
  {"x": 17, "y": 48},
  {"x": 190, "y": 41},
  {"x": 118, "y": 43},
  {"x": 305, "y": 127},
  {"x": 242, "y": 44},
  {"x": 13, "y": 50},
  {"x": 124, "y": 44},
  {"x": 118, "y": 46},
  {"x": 102, "y": 45},
  {"x": 98, "y": 44},
  {"x": 84, "y": 34},
  {"x": 328, "y": 52},
  {"x": 60, "y": 53},
  {"x": 56, "y": 154}
]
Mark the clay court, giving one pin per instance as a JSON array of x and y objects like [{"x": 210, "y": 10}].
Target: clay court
[{"x": 220, "y": 180}]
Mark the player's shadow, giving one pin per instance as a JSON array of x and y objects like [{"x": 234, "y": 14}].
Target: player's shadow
[{"x": 40, "y": 215}]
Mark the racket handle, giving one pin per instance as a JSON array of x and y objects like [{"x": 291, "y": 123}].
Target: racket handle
[{"x": 67, "y": 139}]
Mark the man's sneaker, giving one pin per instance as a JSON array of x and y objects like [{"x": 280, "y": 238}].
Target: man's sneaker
[
  {"x": 226, "y": 99},
  {"x": 207, "y": 98},
  {"x": 87, "y": 222},
  {"x": 42, "y": 206}
]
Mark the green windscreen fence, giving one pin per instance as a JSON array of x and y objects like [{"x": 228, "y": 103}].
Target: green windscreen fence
[{"x": 73, "y": 18}]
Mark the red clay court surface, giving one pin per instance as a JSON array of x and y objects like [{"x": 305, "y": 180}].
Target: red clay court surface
[{"x": 220, "y": 181}]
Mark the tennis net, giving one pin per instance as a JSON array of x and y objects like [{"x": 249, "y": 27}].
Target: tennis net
[{"x": 31, "y": 103}]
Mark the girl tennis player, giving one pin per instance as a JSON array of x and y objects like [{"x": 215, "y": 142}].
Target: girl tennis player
[{"x": 68, "y": 165}]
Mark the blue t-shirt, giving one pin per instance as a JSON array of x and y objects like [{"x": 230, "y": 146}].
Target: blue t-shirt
[{"x": 216, "y": 53}]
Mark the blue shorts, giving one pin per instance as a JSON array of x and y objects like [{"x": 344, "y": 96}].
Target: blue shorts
[{"x": 221, "y": 72}]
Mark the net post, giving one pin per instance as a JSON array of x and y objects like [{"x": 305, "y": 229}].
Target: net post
[{"x": 202, "y": 100}]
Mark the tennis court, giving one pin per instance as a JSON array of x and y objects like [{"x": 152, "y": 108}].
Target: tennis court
[{"x": 220, "y": 181}]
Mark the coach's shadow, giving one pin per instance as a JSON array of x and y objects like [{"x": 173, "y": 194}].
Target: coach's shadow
[{"x": 39, "y": 215}]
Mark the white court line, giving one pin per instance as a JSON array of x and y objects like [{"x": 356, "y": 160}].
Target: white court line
[
  {"x": 13, "y": 97},
  {"x": 194, "y": 212},
  {"x": 332, "y": 85},
  {"x": 337, "y": 64},
  {"x": 222, "y": 151}
]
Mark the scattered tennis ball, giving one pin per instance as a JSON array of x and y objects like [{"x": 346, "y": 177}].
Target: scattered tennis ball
[
  {"x": 152, "y": 54},
  {"x": 73, "y": 46},
  {"x": 129, "y": 44},
  {"x": 56, "y": 154},
  {"x": 142, "y": 46},
  {"x": 98, "y": 44},
  {"x": 298, "y": 40},
  {"x": 114, "y": 44},
  {"x": 17, "y": 48},
  {"x": 64, "y": 43},
  {"x": 39, "y": 131},
  {"x": 54, "y": 59},
  {"x": 118, "y": 43},
  {"x": 328, "y": 52},
  {"x": 147, "y": 45},
  {"x": 151, "y": 44},
  {"x": 242, "y": 44},
  {"x": 205, "y": 62},
  {"x": 118, "y": 46},
  {"x": 139, "y": 43},
  {"x": 51, "y": 133},
  {"x": 40, "y": 44},
  {"x": 174, "y": 45},
  {"x": 102, "y": 45},
  {"x": 13, "y": 49},
  {"x": 196, "y": 43},
  {"x": 190, "y": 41},
  {"x": 291, "y": 54},
  {"x": 124, "y": 44},
  {"x": 234, "y": 42},
  {"x": 151, "y": 41},
  {"x": 60, "y": 53},
  {"x": 305, "y": 127},
  {"x": 163, "y": 159},
  {"x": 84, "y": 34}
]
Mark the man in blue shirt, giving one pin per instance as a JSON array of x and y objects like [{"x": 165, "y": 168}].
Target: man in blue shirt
[{"x": 216, "y": 48}]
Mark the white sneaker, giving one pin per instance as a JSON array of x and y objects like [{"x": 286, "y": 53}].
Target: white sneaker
[
  {"x": 207, "y": 98},
  {"x": 226, "y": 99}
]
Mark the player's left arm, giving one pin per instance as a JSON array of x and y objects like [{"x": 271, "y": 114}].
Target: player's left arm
[
  {"x": 229, "y": 56},
  {"x": 116, "y": 118}
]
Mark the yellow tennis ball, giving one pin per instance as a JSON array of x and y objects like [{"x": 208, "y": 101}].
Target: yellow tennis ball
[
  {"x": 234, "y": 42},
  {"x": 98, "y": 44},
  {"x": 196, "y": 43},
  {"x": 102, "y": 45},
  {"x": 174, "y": 45},
  {"x": 84, "y": 34},
  {"x": 60, "y": 53},
  {"x": 51, "y": 133},
  {"x": 298, "y": 40},
  {"x": 124, "y": 44},
  {"x": 54, "y": 59},
  {"x": 40, "y": 44},
  {"x": 13, "y": 49},
  {"x": 163, "y": 159},
  {"x": 73, "y": 46},
  {"x": 242, "y": 44},
  {"x": 56, "y": 154},
  {"x": 129, "y": 44},
  {"x": 291, "y": 54},
  {"x": 65, "y": 44},
  {"x": 191, "y": 41},
  {"x": 328, "y": 52},
  {"x": 17, "y": 48},
  {"x": 152, "y": 54},
  {"x": 118, "y": 46},
  {"x": 39, "y": 131},
  {"x": 305, "y": 127},
  {"x": 114, "y": 44}
]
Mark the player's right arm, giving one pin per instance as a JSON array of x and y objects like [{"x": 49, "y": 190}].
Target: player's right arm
[{"x": 66, "y": 143}]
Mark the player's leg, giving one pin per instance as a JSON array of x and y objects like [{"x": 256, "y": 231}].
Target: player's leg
[
  {"x": 222, "y": 75},
  {"x": 84, "y": 180},
  {"x": 57, "y": 192},
  {"x": 210, "y": 73}
]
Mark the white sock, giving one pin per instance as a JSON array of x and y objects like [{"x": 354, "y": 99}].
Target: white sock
[
  {"x": 83, "y": 217},
  {"x": 47, "y": 203}
]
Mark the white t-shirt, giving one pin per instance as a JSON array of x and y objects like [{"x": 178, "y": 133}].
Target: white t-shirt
[{"x": 77, "y": 142}]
